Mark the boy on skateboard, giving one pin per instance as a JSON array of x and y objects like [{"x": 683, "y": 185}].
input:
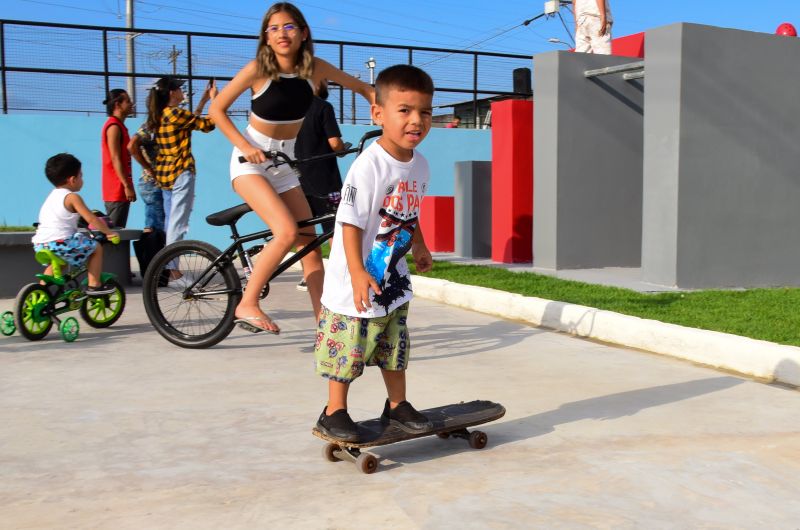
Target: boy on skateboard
[{"x": 367, "y": 286}]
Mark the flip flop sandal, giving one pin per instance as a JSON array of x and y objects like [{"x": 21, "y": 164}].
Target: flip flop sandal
[{"x": 246, "y": 324}]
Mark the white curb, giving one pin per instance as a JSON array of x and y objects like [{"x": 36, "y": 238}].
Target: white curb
[{"x": 756, "y": 358}]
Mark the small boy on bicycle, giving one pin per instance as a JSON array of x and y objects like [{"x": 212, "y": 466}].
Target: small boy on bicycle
[
  {"x": 367, "y": 288},
  {"x": 58, "y": 222}
]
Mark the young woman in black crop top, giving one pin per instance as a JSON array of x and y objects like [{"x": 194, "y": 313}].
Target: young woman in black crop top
[{"x": 283, "y": 79}]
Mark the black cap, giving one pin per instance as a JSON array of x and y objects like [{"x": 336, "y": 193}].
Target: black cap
[{"x": 169, "y": 83}]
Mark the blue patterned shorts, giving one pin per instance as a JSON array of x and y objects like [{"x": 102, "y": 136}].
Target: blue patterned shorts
[
  {"x": 75, "y": 250},
  {"x": 345, "y": 345}
]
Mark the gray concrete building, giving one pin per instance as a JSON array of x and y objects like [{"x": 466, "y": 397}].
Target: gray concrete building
[{"x": 690, "y": 173}]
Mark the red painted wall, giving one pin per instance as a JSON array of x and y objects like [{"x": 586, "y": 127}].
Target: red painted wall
[
  {"x": 628, "y": 46},
  {"x": 512, "y": 181}
]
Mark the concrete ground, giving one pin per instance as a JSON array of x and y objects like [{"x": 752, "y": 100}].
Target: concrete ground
[{"x": 122, "y": 430}]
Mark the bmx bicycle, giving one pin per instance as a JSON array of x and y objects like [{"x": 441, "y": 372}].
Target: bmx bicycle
[
  {"x": 39, "y": 305},
  {"x": 197, "y": 309}
]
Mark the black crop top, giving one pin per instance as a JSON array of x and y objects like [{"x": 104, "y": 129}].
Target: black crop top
[{"x": 285, "y": 100}]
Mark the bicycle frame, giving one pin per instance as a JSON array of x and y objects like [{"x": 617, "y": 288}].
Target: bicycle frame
[
  {"x": 236, "y": 249},
  {"x": 59, "y": 299}
]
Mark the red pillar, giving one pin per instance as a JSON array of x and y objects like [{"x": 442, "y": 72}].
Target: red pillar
[
  {"x": 436, "y": 218},
  {"x": 512, "y": 181}
]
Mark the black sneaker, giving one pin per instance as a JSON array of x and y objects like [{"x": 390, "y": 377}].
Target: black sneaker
[
  {"x": 338, "y": 425},
  {"x": 99, "y": 291},
  {"x": 406, "y": 418},
  {"x": 302, "y": 286}
]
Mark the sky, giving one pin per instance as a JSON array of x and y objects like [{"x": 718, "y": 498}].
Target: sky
[{"x": 456, "y": 24}]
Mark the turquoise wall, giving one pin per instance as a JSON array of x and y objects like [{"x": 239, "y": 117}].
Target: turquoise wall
[{"x": 29, "y": 140}]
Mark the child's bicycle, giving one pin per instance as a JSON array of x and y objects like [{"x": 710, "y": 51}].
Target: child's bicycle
[
  {"x": 196, "y": 310},
  {"x": 38, "y": 306}
]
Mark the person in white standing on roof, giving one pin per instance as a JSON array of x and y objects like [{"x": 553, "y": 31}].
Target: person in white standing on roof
[{"x": 593, "y": 26}]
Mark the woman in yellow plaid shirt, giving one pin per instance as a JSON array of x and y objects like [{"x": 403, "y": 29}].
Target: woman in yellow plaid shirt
[{"x": 174, "y": 169}]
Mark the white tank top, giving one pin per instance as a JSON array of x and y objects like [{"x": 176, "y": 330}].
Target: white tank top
[{"x": 55, "y": 221}]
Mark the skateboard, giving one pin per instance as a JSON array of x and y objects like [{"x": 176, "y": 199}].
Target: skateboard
[{"x": 448, "y": 421}]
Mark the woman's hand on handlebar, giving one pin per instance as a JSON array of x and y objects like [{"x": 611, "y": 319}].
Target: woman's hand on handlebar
[{"x": 254, "y": 155}]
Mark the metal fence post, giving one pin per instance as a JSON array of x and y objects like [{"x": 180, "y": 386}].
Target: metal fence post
[
  {"x": 475, "y": 90},
  {"x": 189, "y": 68},
  {"x": 3, "y": 65},
  {"x": 341, "y": 88},
  {"x": 105, "y": 64}
]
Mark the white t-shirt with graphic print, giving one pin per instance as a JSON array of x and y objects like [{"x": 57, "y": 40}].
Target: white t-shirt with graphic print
[{"x": 382, "y": 196}]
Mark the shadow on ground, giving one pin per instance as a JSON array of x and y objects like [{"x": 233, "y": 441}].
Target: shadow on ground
[{"x": 602, "y": 408}]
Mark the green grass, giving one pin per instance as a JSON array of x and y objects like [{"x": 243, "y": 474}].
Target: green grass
[
  {"x": 4, "y": 228},
  {"x": 767, "y": 314}
]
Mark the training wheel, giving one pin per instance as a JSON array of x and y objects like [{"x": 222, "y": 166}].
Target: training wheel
[
  {"x": 443, "y": 435},
  {"x": 69, "y": 329},
  {"x": 478, "y": 440},
  {"x": 367, "y": 463},
  {"x": 328, "y": 452},
  {"x": 7, "y": 326}
]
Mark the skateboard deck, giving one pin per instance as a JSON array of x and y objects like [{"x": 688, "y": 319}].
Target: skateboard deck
[{"x": 449, "y": 420}]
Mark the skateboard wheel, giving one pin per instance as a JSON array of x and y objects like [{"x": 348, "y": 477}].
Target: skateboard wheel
[
  {"x": 478, "y": 440},
  {"x": 328, "y": 452},
  {"x": 366, "y": 463},
  {"x": 443, "y": 435}
]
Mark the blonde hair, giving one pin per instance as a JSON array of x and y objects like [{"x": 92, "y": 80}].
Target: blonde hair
[{"x": 265, "y": 58}]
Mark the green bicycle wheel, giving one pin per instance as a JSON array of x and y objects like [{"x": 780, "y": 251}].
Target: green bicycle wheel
[
  {"x": 69, "y": 329},
  {"x": 102, "y": 311},
  {"x": 30, "y": 311},
  {"x": 7, "y": 325}
]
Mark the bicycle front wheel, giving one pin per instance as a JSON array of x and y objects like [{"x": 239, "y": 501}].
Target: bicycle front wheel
[
  {"x": 189, "y": 302},
  {"x": 32, "y": 309}
]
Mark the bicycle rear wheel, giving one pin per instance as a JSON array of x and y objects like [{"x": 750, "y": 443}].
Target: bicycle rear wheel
[
  {"x": 103, "y": 311},
  {"x": 196, "y": 316}
]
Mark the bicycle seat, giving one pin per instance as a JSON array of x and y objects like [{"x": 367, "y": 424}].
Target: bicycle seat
[
  {"x": 228, "y": 216},
  {"x": 47, "y": 257}
]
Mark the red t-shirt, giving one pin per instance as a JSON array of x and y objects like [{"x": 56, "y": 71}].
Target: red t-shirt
[{"x": 113, "y": 190}]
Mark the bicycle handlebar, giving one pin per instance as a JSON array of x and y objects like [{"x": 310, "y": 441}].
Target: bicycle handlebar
[
  {"x": 100, "y": 237},
  {"x": 281, "y": 158}
]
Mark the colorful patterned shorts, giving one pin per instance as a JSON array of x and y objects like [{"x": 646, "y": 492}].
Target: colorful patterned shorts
[
  {"x": 74, "y": 250},
  {"x": 346, "y": 344}
]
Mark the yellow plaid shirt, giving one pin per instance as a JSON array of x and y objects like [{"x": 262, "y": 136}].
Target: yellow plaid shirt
[{"x": 174, "y": 140}]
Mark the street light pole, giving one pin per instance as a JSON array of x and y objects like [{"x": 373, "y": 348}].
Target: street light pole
[
  {"x": 371, "y": 64},
  {"x": 554, "y": 40}
]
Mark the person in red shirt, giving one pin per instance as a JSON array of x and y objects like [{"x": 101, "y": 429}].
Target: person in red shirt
[
  {"x": 118, "y": 190},
  {"x": 455, "y": 123}
]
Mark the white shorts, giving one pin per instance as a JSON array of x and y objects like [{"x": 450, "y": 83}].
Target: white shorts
[{"x": 283, "y": 178}]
